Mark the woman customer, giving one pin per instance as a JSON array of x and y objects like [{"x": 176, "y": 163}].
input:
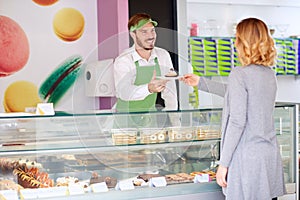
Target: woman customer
[{"x": 250, "y": 162}]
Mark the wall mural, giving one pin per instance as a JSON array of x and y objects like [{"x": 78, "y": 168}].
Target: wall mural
[{"x": 43, "y": 46}]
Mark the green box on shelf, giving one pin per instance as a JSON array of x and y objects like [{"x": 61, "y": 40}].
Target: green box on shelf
[
  {"x": 196, "y": 41},
  {"x": 204, "y": 52}
]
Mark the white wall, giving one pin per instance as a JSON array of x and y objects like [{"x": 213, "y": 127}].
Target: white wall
[
  {"x": 288, "y": 89},
  {"x": 226, "y": 13}
]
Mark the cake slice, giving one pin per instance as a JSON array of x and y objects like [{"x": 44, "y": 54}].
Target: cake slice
[{"x": 171, "y": 73}]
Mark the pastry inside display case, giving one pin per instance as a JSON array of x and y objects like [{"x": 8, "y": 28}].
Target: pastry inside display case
[
  {"x": 177, "y": 163},
  {"x": 164, "y": 135},
  {"x": 70, "y": 155}
]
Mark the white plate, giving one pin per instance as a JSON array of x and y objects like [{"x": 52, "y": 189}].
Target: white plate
[{"x": 169, "y": 77}]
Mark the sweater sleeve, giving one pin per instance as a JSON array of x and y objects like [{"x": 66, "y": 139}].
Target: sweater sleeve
[
  {"x": 211, "y": 86},
  {"x": 237, "y": 104}
]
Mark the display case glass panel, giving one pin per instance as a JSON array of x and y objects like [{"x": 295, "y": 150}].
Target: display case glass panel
[{"x": 122, "y": 148}]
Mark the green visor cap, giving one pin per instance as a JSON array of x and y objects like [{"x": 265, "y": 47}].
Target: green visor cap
[{"x": 142, "y": 23}]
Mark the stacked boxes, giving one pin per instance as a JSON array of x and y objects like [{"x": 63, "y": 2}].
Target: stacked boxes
[
  {"x": 281, "y": 57},
  {"x": 196, "y": 55},
  {"x": 206, "y": 53},
  {"x": 291, "y": 58},
  {"x": 217, "y": 56},
  {"x": 224, "y": 49},
  {"x": 286, "y": 57},
  {"x": 210, "y": 57},
  {"x": 235, "y": 59},
  {"x": 196, "y": 58},
  {"x": 297, "y": 49}
]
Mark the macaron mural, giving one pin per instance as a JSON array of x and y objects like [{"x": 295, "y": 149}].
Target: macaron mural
[
  {"x": 60, "y": 80},
  {"x": 45, "y": 2},
  {"x": 43, "y": 44},
  {"x": 20, "y": 95},
  {"x": 68, "y": 24},
  {"x": 14, "y": 46}
]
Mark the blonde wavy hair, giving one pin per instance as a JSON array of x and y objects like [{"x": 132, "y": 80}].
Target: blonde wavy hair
[{"x": 254, "y": 43}]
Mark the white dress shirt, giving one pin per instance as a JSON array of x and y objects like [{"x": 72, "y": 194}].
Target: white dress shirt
[{"x": 125, "y": 74}]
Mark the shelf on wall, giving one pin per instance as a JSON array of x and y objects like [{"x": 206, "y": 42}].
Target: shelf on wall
[{"x": 216, "y": 56}]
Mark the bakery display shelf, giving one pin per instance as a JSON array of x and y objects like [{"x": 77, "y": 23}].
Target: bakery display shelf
[
  {"x": 80, "y": 145},
  {"x": 183, "y": 191},
  {"x": 92, "y": 143},
  {"x": 84, "y": 177},
  {"x": 46, "y": 141}
]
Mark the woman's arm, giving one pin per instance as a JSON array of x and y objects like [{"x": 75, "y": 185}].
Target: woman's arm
[
  {"x": 211, "y": 86},
  {"x": 205, "y": 84}
]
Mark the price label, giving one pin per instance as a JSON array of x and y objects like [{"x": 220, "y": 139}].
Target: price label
[
  {"x": 75, "y": 189},
  {"x": 28, "y": 194},
  {"x": 99, "y": 187},
  {"x": 51, "y": 192},
  {"x": 45, "y": 109},
  {"x": 201, "y": 178},
  {"x": 158, "y": 182},
  {"x": 9, "y": 194},
  {"x": 125, "y": 185}
]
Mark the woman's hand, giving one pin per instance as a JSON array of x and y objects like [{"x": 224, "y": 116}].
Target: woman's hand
[
  {"x": 190, "y": 79},
  {"x": 221, "y": 176}
]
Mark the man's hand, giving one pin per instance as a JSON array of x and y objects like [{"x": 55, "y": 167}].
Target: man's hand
[{"x": 156, "y": 85}]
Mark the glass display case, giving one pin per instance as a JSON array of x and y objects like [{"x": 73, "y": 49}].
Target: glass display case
[
  {"x": 286, "y": 120},
  {"x": 153, "y": 155}
]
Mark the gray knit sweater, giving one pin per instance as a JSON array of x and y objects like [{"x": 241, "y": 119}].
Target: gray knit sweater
[{"x": 249, "y": 146}]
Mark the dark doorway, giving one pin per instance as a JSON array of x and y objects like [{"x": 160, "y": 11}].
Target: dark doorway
[{"x": 165, "y": 13}]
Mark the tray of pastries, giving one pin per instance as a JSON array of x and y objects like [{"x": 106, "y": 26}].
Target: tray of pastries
[
  {"x": 177, "y": 134},
  {"x": 124, "y": 136},
  {"x": 211, "y": 173},
  {"x": 207, "y": 132},
  {"x": 179, "y": 178},
  {"x": 148, "y": 136}
]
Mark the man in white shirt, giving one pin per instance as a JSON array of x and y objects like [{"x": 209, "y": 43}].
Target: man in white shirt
[{"x": 136, "y": 69}]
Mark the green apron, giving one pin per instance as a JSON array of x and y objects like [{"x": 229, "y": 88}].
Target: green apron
[{"x": 144, "y": 75}]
